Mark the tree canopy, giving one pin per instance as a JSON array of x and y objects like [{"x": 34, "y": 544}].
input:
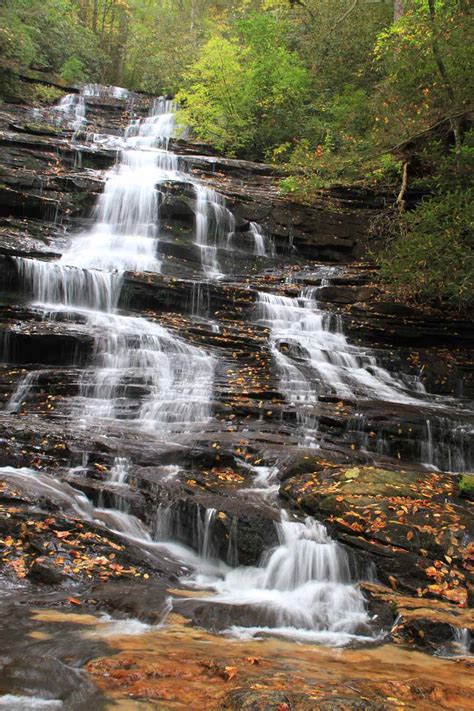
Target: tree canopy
[{"x": 373, "y": 92}]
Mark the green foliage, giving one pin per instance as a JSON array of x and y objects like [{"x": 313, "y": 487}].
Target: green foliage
[
  {"x": 426, "y": 68},
  {"x": 247, "y": 91},
  {"x": 217, "y": 104},
  {"x": 73, "y": 70},
  {"x": 43, "y": 94},
  {"x": 432, "y": 257},
  {"x": 48, "y": 35},
  {"x": 466, "y": 486}
]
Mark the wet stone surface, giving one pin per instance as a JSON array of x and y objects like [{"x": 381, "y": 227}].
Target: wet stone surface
[{"x": 207, "y": 365}]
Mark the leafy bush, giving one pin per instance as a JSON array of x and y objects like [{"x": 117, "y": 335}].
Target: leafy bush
[
  {"x": 47, "y": 35},
  {"x": 42, "y": 94},
  {"x": 73, "y": 70},
  {"x": 246, "y": 93},
  {"x": 432, "y": 257}
]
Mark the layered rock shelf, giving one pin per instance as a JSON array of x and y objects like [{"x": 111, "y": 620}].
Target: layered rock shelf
[{"x": 363, "y": 422}]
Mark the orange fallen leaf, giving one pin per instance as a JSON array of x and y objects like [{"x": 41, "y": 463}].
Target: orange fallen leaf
[
  {"x": 230, "y": 672},
  {"x": 74, "y": 601}
]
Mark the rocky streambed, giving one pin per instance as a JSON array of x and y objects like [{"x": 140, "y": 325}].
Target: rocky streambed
[{"x": 216, "y": 420}]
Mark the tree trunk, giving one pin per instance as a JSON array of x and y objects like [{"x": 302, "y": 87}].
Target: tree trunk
[
  {"x": 455, "y": 124},
  {"x": 398, "y": 9},
  {"x": 94, "y": 16}
]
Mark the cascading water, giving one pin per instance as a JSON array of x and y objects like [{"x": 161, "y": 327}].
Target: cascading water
[
  {"x": 303, "y": 589},
  {"x": 142, "y": 374},
  {"x": 316, "y": 359},
  {"x": 70, "y": 110},
  {"x": 262, "y": 246},
  {"x": 214, "y": 222},
  {"x": 448, "y": 444},
  {"x": 132, "y": 355}
]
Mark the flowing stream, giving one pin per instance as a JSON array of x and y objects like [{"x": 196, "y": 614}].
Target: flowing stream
[{"x": 142, "y": 375}]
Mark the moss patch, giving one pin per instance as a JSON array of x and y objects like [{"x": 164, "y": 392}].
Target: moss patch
[{"x": 466, "y": 486}]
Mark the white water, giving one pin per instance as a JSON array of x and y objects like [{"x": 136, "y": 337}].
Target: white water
[
  {"x": 14, "y": 702},
  {"x": 462, "y": 641},
  {"x": 214, "y": 223},
  {"x": 324, "y": 363},
  {"x": 448, "y": 445},
  {"x": 71, "y": 109},
  {"x": 302, "y": 589},
  {"x": 171, "y": 380},
  {"x": 263, "y": 247},
  {"x": 101, "y": 90},
  {"x": 119, "y": 471}
]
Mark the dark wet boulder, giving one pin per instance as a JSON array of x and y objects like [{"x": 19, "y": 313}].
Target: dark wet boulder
[
  {"x": 46, "y": 573},
  {"x": 237, "y": 532},
  {"x": 143, "y": 600}
]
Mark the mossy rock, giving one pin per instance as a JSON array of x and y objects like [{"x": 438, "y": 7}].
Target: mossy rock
[
  {"x": 466, "y": 486},
  {"x": 41, "y": 129},
  {"x": 372, "y": 481}
]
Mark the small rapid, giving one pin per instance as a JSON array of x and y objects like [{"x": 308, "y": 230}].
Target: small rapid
[{"x": 303, "y": 589}]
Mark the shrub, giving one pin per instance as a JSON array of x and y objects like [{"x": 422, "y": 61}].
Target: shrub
[
  {"x": 73, "y": 70},
  {"x": 431, "y": 259},
  {"x": 42, "y": 94}
]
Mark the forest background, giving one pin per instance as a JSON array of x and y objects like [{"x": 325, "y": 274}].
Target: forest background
[{"x": 375, "y": 94}]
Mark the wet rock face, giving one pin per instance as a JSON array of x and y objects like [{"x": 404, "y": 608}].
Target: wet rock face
[
  {"x": 47, "y": 546},
  {"x": 432, "y": 625},
  {"x": 414, "y": 524},
  {"x": 357, "y": 469},
  {"x": 43, "y": 175},
  {"x": 239, "y": 532}
]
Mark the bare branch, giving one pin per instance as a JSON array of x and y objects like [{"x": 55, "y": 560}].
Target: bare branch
[
  {"x": 400, "y": 201},
  {"x": 303, "y": 5},
  {"x": 344, "y": 16}
]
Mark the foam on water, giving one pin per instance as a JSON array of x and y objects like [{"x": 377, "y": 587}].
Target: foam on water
[
  {"x": 170, "y": 381},
  {"x": 12, "y": 702},
  {"x": 303, "y": 589}
]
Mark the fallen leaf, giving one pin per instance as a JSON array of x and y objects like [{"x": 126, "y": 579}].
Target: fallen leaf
[{"x": 74, "y": 601}]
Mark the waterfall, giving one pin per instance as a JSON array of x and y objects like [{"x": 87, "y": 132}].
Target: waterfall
[
  {"x": 205, "y": 533},
  {"x": 143, "y": 377},
  {"x": 71, "y": 110},
  {"x": 170, "y": 380},
  {"x": 262, "y": 246},
  {"x": 303, "y": 589},
  {"x": 214, "y": 222},
  {"x": 447, "y": 445},
  {"x": 316, "y": 360},
  {"x": 101, "y": 90},
  {"x": 119, "y": 471}
]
